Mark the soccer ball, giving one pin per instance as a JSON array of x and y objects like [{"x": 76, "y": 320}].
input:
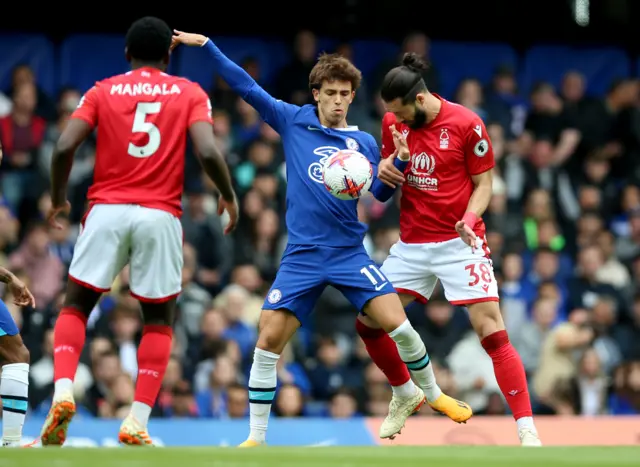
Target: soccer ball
[{"x": 347, "y": 174}]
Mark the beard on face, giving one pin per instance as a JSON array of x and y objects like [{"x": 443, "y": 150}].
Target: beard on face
[{"x": 419, "y": 118}]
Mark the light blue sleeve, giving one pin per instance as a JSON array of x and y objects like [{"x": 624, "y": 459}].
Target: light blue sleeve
[{"x": 276, "y": 113}]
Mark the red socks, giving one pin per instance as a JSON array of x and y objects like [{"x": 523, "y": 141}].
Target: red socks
[
  {"x": 509, "y": 372},
  {"x": 153, "y": 357},
  {"x": 68, "y": 340},
  {"x": 384, "y": 353}
]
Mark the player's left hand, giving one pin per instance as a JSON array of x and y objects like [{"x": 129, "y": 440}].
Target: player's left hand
[
  {"x": 389, "y": 173},
  {"x": 232, "y": 209},
  {"x": 21, "y": 294},
  {"x": 56, "y": 211},
  {"x": 466, "y": 233},
  {"x": 187, "y": 38}
]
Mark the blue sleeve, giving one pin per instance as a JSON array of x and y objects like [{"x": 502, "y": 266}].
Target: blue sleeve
[
  {"x": 381, "y": 191},
  {"x": 273, "y": 111}
]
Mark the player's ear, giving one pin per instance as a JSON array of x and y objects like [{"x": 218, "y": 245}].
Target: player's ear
[
  {"x": 127, "y": 55},
  {"x": 353, "y": 96},
  {"x": 316, "y": 95}
]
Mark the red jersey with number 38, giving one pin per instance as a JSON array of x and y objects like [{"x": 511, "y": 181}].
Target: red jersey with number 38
[
  {"x": 142, "y": 118},
  {"x": 444, "y": 155}
]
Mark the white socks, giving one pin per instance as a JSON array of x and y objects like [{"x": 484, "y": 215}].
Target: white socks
[
  {"x": 262, "y": 389},
  {"x": 141, "y": 412},
  {"x": 526, "y": 422},
  {"x": 414, "y": 355},
  {"x": 405, "y": 391},
  {"x": 62, "y": 387},
  {"x": 14, "y": 390}
]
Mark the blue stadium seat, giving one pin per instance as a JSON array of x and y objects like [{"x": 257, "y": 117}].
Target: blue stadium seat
[
  {"x": 600, "y": 66},
  {"x": 195, "y": 64},
  {"x": 367, "y": 55},
  {"x": 34, "y": 50},
  {"x": 87, "y": 58},
  {"x": 457, "y": 61}
]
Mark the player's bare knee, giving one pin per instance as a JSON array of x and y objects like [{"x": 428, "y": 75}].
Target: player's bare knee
[
  {"x": 368, "y": 322},
  {"x": 387, "y": 311},
  {"x": 486, "y": 318},
  {"x": 276, "y": 328},
  {"x": 81, "y": 298},
  {"x": 13, "y": 350},
  {"x": 159, "y": 314}
]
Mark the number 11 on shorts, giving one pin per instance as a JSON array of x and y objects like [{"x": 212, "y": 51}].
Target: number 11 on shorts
[{"x": 370, "y": 276}]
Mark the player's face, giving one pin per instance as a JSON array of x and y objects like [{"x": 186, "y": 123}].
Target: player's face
[
  {"x": 411, "y": 114},
  {"x": 334, "y": 98}
]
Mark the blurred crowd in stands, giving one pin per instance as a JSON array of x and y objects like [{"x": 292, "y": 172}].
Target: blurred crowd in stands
[{"x": 563, "y": 227}]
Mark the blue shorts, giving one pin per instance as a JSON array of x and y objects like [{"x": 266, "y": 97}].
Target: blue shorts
[
  {"x": 7, "y": 324},
  {"x": 306, "y": 270}
]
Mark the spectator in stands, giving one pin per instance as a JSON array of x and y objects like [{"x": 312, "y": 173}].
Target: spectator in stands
[
  {"x": 469, "y": 94},
  {"x": 24, "y": 74},
  {"x": 293, "y": 80},
  {"x": 21, "y": 133},
  {"x": 415, "y": 42}
]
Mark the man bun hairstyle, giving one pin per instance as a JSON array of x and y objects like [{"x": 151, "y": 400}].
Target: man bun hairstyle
[
  {"x": 405, "y": 81},
  {"x": 149, "y": 39}
]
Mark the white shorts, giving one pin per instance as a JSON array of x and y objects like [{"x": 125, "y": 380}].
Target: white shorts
[
  {"x": 150, "y": 240},
  {"x": 466, "y": 274}
]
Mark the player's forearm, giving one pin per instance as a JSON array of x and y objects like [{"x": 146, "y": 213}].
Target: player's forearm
[
  {"x": 216, "y": 169},
  {"x": 381, "y": 191},
  {"x": 6, "y": 276},
  {"x": 480, "y": 199},
  {"x": 236, "y": 77},
  {"x": 60, "y": 170}
]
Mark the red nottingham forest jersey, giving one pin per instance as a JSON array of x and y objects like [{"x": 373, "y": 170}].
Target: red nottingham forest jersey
[
  {"x": 445, "y": 153},
  {"x": 142, "y": 119}
]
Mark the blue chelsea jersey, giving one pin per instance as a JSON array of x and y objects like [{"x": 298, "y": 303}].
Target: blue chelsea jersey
[{"x": 314, "y": 216}]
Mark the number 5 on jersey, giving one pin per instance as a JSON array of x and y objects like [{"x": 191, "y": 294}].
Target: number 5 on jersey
[{"x": 140, "y": 125}]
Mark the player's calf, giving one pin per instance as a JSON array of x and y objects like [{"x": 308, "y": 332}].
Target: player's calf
[
  {"x": 388, "y": 312},
  {"x": 509, "y": 370},
  {"x": 14, "y": 388},
  {"x": 275, "y": 330}
]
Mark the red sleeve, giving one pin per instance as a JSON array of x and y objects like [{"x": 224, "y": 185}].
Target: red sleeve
[
  {"x": 200, "y": 106},
  {"x": 87, "y": 109},
  {"x": 388, "y": 147},
  {"x": 478, "y": 151}
]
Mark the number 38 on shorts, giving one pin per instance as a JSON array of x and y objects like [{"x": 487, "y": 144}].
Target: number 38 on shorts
[{"x": 466, "y": 274}]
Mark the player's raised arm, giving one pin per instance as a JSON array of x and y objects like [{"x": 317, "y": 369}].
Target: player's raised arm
[
  {"x": 79, "y": 127},
  {"x": 273, "y": 111}
]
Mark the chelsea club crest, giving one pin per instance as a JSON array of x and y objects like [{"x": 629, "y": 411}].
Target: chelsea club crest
[{"x": 352, "y": 144}]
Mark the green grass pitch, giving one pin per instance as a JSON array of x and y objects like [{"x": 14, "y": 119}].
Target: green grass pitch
[{"x": 454, "y": 456}]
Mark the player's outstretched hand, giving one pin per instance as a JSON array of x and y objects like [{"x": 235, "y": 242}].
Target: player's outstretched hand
[
  {"x": 466, "y": 233},
  {"x": 232, "y": 209},
  {"x": 55, "y": 211},
  {"x": 389, "y": 173},
  {"x": 21, "y": 294},
  {"x": 187, "y": 38}
]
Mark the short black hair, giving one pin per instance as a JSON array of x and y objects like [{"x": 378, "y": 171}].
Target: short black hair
[
  {"x": 149, "y": 39},
  {"x": 405, "y": 81}
]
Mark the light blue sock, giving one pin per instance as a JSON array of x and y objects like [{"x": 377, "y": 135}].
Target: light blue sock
[
  {"x": 14, "y": 390},
  {"x": 262, "y": 389}
]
